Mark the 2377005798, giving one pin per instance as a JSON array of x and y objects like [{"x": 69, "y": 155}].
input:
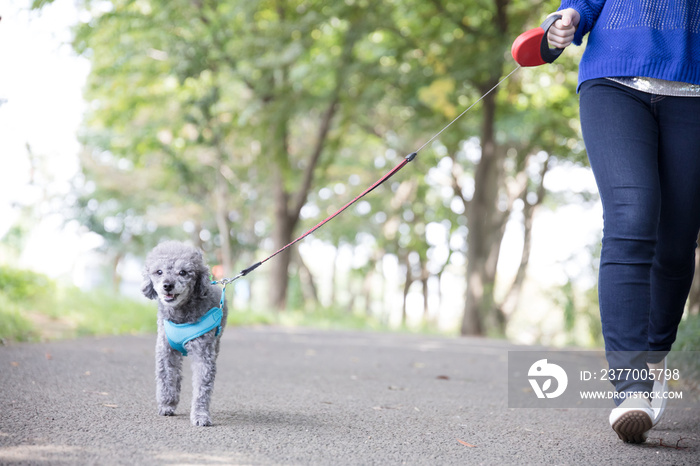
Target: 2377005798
[{"x": 631, "y": 374}]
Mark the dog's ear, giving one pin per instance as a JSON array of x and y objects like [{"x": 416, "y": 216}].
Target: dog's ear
[
  {"x": 203, "y": 282},
  {"x": 147, "y": 287},
  {"x": 201, "y": 287}
]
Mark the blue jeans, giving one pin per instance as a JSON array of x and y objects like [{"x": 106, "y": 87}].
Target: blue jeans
[{"x": 644, "y": 150}]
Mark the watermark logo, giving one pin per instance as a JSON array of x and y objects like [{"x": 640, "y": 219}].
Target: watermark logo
[
  {"x": 547, "y": 371},
  {"x": 564, "y": 379}
]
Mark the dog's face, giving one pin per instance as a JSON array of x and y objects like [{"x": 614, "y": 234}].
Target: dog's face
[
  {"x": 173, "y": 273},
  {"x": 173, "y": 281}
]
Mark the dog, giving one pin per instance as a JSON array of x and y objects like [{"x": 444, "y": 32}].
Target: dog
[{"x": 191, "y": 317}]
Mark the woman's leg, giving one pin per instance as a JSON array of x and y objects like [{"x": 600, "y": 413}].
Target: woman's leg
[
  {"x": 621, "y": 136},
  {"x": 674, "y": 262},
  {"x": 645, "y": 154}
]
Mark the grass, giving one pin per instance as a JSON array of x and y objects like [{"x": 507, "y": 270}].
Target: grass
[
  {"x": 105, "y": 313},
  {"x": 34, "y": 308},
  {"x": 13, "y": 325},
  {"x": 71, "y": 313}
]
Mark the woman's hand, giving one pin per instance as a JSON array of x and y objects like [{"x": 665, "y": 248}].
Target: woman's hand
[{"x": 561, "y": 34}]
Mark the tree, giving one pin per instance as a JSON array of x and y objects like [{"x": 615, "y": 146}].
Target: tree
[
  {"x": 287, "y": 96},
  {"x": 437, "y": 54},
  {"x": 501, "y": 160}
]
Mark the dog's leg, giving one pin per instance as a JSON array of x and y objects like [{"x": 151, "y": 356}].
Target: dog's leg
[
  {"x": 168, "y": 377},
  {"x": 203, "y": 374}
]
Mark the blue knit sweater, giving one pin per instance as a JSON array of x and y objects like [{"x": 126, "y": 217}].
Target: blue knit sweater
[{"x": 651, "y": 38}]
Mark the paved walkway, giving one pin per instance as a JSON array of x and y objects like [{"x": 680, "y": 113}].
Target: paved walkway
[{"x": 305, "y": 397}]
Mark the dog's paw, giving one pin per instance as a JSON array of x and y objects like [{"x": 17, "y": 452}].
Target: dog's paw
[
  {"x": 166, "y": 411},
  {"x": 200, "y": 420}
]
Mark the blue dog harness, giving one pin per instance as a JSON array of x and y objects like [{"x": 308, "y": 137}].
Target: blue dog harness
[{"x": 179, "y": 334}]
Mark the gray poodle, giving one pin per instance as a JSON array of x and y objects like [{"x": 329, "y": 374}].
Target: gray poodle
[{"x": 191, "y": 317}]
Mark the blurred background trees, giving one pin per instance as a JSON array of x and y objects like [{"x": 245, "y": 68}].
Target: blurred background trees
[{"x": 238, "y": 125}]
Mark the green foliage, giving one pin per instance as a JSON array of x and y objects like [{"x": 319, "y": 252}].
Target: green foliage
[
  {"x": 105, "y": 313},
  {"x": 13, "y": 325},
  {"x": 21, "y": 291},
  {"x": 38, "y": 4},
  {"x": 34, "y": 307},
  {"x": 24, "y": 286}
]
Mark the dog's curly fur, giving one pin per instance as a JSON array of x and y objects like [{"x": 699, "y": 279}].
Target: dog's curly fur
[{"x": 176, "y": 275}]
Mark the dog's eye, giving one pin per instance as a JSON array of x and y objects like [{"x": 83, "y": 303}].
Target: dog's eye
[
  {"x": 159, "y": 272},
  {"x": 183, "y": 273}
]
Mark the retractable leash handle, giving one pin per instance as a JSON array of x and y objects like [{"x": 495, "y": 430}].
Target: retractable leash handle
[{"x": 531, "y": 47}]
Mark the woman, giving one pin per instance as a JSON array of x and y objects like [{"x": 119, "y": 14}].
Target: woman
[{"x": 639, "y": 85}]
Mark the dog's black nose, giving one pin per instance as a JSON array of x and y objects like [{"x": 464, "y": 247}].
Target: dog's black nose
[{"x": 168, "y": 286}]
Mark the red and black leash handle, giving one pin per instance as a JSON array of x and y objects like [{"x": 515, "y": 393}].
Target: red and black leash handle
[{"x": 529, "y": 49}]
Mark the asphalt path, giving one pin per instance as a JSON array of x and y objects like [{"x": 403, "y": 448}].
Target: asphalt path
[{"x": 305, "y": 397}]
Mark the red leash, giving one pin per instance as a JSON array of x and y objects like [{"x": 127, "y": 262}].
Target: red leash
[{"x": 393, "y": 171}]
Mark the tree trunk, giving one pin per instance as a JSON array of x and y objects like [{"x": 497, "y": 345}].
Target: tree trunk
[
  {"x": 424, "y": 276},
  {"x": 406, "y": 288},
  {"x": 288, "y": 205},
  {"x": 367, "y": 287},
  {"x": 308, "y": 286},
  {"x": 333, "y": 278},
  {"x": 352, "y": 286},
  {"x": 485, "y": 221},
  {"x": 486, "y": 225},
  {"x": 287, "y": 210},
  {"x": 281, "y": 236},
  {"x": 222, "y": 223},
  {"x": 197, "y": 236},
  {"x": 116, "y": 276},
  {"x": 512, "y": 298}
]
